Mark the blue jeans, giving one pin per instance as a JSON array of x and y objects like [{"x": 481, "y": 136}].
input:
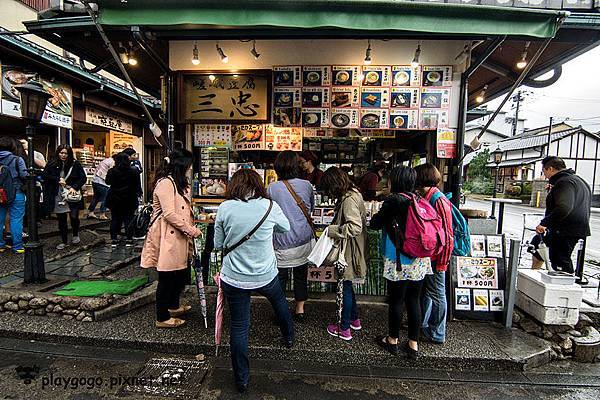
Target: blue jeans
[
  {"x": 100, "y": 192},
  {"x": 16, "y": 210},
  {"x": 239, "y": 310},
  {"x": 349, "y": 308},
  {"x": 433, "y": 304}
]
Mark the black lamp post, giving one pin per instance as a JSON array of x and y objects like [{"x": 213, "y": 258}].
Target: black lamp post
[
  {"x": 497, "y": 154},
  {"x": 33, "y": 104}
]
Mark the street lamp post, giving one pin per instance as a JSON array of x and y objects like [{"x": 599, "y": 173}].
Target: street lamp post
[
  {"x": 33, "y": 104},
  {"x": 497, "y": 154}
]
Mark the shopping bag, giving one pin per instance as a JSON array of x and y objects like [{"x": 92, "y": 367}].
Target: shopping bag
[{"x": 322, "y": 249}]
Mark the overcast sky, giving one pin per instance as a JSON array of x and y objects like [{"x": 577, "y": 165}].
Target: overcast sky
[{"x": 576, "y": 95}]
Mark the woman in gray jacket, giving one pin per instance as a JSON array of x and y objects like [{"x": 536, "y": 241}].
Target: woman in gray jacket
[
  {"x": 296, "y": 199},
  {"x": 349, "y": 229}
]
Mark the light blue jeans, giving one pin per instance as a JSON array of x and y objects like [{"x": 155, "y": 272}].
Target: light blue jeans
[
  {"x": 433, "y": 306},
  {"x": 16, "y": 211}
]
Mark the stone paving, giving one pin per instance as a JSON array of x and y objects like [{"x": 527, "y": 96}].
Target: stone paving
[{"x": 82, "y": 264}]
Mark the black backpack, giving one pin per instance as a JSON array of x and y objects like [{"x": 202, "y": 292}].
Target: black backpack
[
  {"x": 141, "y": 221},
  {"x": 8, "y": 191}
]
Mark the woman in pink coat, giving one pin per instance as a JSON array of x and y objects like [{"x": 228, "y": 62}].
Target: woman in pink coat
[{"x": 169, "y": 240}]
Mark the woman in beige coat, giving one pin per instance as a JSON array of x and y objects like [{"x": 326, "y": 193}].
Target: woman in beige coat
[
  {"x": 349, "y": 230},
  {"x": 169, "y": 240}
]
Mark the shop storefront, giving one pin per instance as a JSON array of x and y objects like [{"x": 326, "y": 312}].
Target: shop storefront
[
  {"x": 353, "y": 81},
  {"x": 94, "y": 115}
]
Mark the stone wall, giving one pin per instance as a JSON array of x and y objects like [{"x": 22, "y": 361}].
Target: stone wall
[{"x": 71, "y": 308}]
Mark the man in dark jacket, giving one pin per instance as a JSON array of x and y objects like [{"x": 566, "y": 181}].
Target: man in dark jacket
[{"x": 567, "y": 216}]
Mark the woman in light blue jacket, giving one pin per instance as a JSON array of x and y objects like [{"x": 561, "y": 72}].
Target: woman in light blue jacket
[{"x": 244, "y": 232}]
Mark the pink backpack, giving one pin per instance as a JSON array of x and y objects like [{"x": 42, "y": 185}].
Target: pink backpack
[{"x": 424, "y": 235}]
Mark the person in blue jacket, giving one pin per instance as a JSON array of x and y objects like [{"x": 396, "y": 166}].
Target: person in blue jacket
[
  {"x": 16, "y": 208},
  {"x": 251, "y": 265}
]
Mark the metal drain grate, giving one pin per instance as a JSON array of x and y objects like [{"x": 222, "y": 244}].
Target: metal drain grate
[{"x": 169, "y": 377}]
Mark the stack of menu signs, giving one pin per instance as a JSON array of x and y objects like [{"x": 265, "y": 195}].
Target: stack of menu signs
[{"x": 478, "y": 282}]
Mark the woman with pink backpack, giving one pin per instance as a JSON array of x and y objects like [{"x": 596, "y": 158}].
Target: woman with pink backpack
[{"x": 407, "y": 248}]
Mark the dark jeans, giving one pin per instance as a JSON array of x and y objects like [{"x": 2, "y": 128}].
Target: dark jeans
[
  {"x": 120, "y": 218},
  {"x": 561, "y": 248},
  {"x": 63, "y": 227},
  {"x": 349, "y": 307},
  {"x": 404, "y": 293},
  {"x": 300, "y": 275},
  {"x": 100, "y": 192},
  {"x": 239, "y": 310},
  {"x": 170, "y": 286}
]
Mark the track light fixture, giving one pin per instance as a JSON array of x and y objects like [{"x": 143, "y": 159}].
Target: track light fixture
[
  {"x": 123, "y": 54},
  {"x": 368, "y": 53},
  {"x": 463, "y": 55},
  {"x": 522, "y": 63},
  {"x": 195, "y": 54},
  {"x": 255, "y": 53},
  {"x": 224, "y": 58},
  {"x": 132, "y": 60},
  {"x": 481, "y": 96},
  {"x": 415, "y": 62}
]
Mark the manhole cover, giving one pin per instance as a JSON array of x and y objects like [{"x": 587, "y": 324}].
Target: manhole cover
[{"x": 168, "y": 377}]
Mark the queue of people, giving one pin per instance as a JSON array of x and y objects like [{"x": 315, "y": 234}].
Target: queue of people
[{"x": 59, "y": 191}]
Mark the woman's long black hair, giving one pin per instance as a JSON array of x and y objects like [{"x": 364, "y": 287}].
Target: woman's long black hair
[
  {"x": 176, "y": 166},
  {"x": 122, "y": 161},
  {"x": 70, "y": 157},
  {"x": 402, "y": 179}
]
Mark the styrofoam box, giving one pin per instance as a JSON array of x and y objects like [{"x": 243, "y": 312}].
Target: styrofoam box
[
  {"x": 547, "y": 294},
  {"x": 547, "y": 315}
]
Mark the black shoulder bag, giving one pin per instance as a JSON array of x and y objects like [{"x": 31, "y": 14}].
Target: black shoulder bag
[{"x": 227, "y": 250}]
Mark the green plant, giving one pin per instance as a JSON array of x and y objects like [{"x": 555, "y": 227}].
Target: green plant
[
  {"x": 527, "y": 188},
  {"x": 478, "y": 169},
  {"x": 513, "y": 190}
]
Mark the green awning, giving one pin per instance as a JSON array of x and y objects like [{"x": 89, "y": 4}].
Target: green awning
[{"x": 361, "y": 15}]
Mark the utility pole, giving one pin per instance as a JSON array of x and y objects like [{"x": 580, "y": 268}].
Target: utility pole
[{"x": 549, "y": 138}]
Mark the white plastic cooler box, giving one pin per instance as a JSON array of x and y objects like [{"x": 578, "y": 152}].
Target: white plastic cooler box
[{"x": 549, "y": 303}]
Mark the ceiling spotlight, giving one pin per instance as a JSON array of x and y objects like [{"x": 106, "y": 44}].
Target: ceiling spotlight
[
  {"x": 132, "y": 60},
  {"x": 224, "y": 58},
  {"x": 211, "y": 77},
  {"x": 195, "y": 55},
  {"x": 123, "y": 53},
  {"x": 481, "y": 96},
  {"x": 255, "y": 53},
  {"x": 522, "y": 63},
  {"x": 368, "y": 54},
  {"x": 415, "y": 62}
]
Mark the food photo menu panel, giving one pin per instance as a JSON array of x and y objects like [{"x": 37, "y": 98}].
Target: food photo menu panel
[
  {"x": 398, "y": 97},
  {"x": 478, "y": 282}
]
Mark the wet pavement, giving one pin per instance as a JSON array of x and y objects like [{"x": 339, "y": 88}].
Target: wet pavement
[
  {"x": 52, "y": 372},
  {"x": 470, "y": 345}
]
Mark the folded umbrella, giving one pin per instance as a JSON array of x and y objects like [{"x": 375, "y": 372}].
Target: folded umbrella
[
  {"x": 218, "y": 314},
  {"x": 197, "y": 265}
]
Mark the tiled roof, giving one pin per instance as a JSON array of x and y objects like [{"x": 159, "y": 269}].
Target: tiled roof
[{"x": 535, "y": 138}]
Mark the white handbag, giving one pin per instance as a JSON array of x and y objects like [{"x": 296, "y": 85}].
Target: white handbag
[{"x": 68, "y": 195}]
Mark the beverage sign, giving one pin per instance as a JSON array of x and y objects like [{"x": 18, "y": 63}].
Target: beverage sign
[
  {"x": 479, "y": 273},
  {"x": 446, "y": 143},
  {"x": 212, "y": 135}
]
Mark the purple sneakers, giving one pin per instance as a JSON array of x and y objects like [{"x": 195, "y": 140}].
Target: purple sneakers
[
  {"x": 356, "y": 325},
  {"x": 333, "y": 330}
]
